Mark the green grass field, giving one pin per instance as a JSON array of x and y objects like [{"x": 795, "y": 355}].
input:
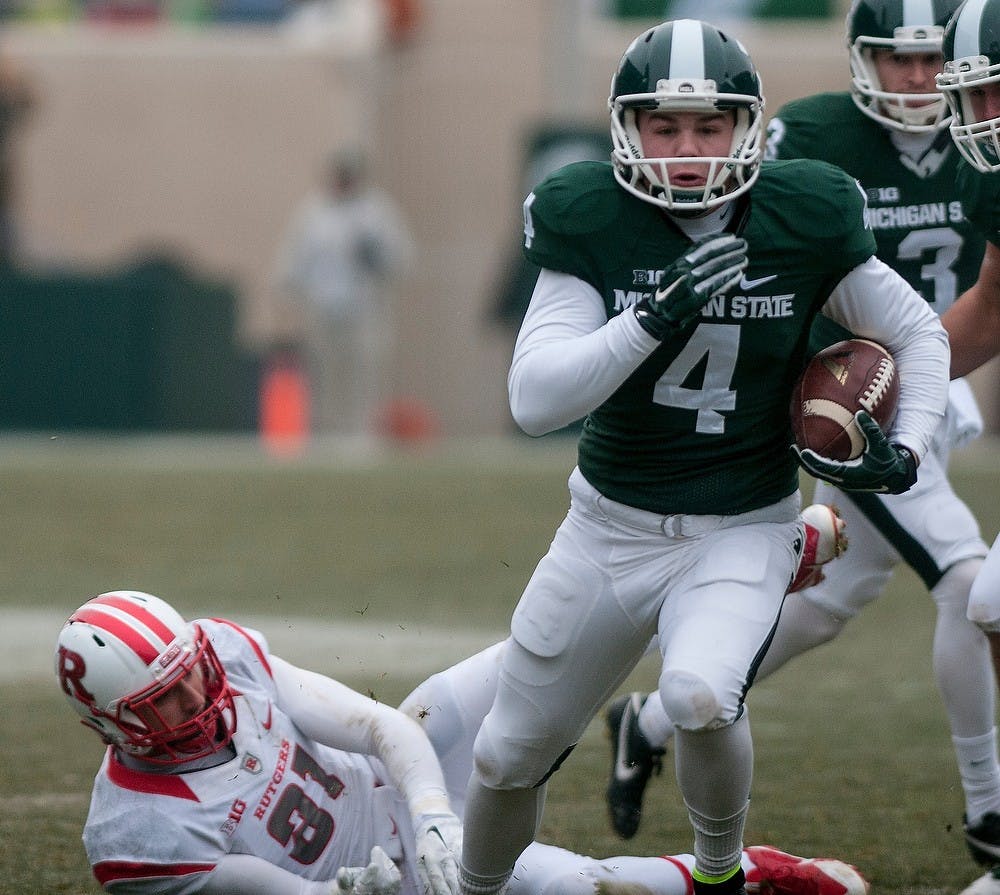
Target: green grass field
[{"x": 428, "y": 551}]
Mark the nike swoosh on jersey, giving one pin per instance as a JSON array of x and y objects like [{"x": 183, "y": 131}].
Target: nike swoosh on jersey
[
  {"x": 267, "y": 724},
  {"x": 750, "y": 284}
]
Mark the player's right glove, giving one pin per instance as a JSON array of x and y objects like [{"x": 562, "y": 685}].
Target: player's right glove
[
  {"x": 439, "y": 849},
  {"x": 380, "y": 877},
  {"x": 883, "y": 467},
  {"x": 712, "y": 265}
]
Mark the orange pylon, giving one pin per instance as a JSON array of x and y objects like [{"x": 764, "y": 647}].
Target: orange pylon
[{"x": 284, "y": 406}]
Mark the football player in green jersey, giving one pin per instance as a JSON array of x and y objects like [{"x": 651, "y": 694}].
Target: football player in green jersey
[
  {"x": 890, "y": 132},
  {"x": 674, "y": 313},
  {"x": 970, "y": 83}
]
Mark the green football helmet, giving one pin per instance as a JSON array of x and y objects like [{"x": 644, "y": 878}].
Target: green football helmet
[
  {"x": 972, "y": 61},
  {"x": 686, "y": 65},
  {"x": 902, "y": 26}
]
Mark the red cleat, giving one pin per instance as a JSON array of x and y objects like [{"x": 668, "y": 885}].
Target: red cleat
[
  {"x": 825, "y": 540},
  {"x": 778, "y": 873}
]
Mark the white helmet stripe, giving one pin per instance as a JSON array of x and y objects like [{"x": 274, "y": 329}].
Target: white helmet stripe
[
  {"x": 918, "y": 12},
  {"x": 967, "y": 29},
  {"x": 687, "y": 50}
]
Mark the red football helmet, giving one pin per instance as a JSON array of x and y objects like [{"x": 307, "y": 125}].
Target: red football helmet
[{"x": 147, "y": 681}]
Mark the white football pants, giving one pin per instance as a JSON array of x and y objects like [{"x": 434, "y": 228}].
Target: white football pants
[{"x": 710, "y": 587}]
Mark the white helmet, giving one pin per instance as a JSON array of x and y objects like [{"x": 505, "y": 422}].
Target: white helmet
[
  {"x": 971, "y": 62},
  {"x": 686, "y": 65},
  {"x": 121, "y": 654},
  {"x": 902, "y": 27}
]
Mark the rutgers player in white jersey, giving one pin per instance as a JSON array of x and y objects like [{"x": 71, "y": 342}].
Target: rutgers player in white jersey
[{"x": 231, "y": 771}]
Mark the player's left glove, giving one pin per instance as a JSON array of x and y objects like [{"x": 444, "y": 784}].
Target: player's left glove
[
  {"x": 710, "y": 266},
  {"x": 380, "y": 877},
  {"x": 883, "y": 467},
  {"x": 439, "y": 848}
]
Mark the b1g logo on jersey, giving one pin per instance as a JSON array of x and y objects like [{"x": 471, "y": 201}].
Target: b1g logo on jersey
[
  {"x": 646, "y": 277},
  {"x": 233, "y": 818},
  {"x": 627, "y": 298},
  {"x": 883, "y": 194}
]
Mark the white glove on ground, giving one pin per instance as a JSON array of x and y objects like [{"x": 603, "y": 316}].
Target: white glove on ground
[
  {"x": 439, "y": 848},
  {"x": 380, "y": 877}
]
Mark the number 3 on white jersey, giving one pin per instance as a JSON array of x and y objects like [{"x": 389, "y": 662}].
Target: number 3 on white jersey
[{"x": 719, "y": 344}]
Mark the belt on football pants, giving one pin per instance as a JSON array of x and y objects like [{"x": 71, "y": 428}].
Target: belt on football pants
[{"x": 678, "y": 525}]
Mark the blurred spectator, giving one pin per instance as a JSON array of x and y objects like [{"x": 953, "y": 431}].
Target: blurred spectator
[
  {"x": 17, "y": 99},
  {"x": 344, "y": 249}
]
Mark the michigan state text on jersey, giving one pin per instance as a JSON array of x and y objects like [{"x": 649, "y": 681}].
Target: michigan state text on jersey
[{"x": 914, "y": 211}]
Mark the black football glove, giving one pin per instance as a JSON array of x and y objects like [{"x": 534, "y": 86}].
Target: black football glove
[
  {"x": 882, "y": 467},
  {"x": 712, "y": 265}
]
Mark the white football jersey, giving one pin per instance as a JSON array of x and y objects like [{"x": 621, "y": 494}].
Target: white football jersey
[{"x": 302, "y": 806}]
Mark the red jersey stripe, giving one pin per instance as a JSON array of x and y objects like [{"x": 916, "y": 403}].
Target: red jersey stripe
[
  {"x": 253, "y": 643},
  {"x": 142, "y": 781},
  {"x": 118, "y": 871}
]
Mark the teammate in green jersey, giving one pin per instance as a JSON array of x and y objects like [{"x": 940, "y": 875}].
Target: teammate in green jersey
[
  {"x": 890, "y": 132},
  {"x": 970, "y": 83},
  {"x": 674, "y": 313}
]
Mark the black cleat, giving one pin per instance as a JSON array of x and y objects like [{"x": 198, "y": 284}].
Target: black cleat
[
  {"x": 633, "y": 762},
  {"x": 984, "y": 839}
]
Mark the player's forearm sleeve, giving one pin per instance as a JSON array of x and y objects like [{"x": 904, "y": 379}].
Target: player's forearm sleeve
[
  {"x": 569, "y": 358},
  {"x": 329, "y": 712},
  {"x": 250, "y": 875}
]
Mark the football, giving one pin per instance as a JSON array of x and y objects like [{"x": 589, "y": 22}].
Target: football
[{"x": 853, "y": 375}]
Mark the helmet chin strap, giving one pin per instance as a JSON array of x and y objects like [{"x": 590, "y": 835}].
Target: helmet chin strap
[{"x": 700, "y": 223}]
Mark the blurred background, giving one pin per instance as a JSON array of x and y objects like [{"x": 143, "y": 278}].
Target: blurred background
[{"x": 152, "y": 153}]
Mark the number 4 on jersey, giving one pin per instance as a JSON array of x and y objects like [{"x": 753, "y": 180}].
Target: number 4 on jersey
[{"x": 718, "y": 344}]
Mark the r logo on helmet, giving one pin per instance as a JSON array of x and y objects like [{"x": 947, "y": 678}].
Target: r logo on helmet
[{"x": 71, "y": 669}]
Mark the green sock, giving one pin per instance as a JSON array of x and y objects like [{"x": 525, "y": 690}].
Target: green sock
[{"x": 712, "y": 880}]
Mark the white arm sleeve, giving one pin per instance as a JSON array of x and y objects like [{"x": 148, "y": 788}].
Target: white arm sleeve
[
  {"x": 569, "y": 358},
  {"x": 332, "y": 713},
  {"x": 874, "y": 302},
  {"x": 249, "y": 875}
]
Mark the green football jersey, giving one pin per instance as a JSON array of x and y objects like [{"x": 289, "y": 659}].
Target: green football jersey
[
  {"x": 702, "y": 425},
  {"x": 981, "y": 194},
  {"x": 914, "y": 208}
]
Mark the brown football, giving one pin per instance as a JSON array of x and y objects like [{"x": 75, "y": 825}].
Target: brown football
[{"x": 853, "y": 375}]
